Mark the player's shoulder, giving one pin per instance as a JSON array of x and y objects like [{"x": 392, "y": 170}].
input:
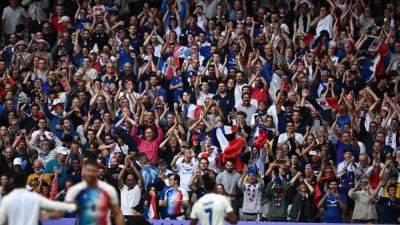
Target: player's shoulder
[
  {"x": 77, "y": 188},
  {"x": 105, "y": 186},
  {"x": 212, "y": 197}
]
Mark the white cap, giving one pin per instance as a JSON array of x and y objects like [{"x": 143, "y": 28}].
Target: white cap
[
  {"x": 306, "y": 2},
  {"x": 332, "y": 44},
  {"x": 64, "y": 19},
  {"x": 62, "y": 150},
  {"x": 57, "y": 101},
  {"x": 17, "y": 161},
  {"x": 41, "y": 41}
]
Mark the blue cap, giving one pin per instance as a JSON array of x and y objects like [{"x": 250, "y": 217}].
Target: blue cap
[{"x": 251, "y": 171}]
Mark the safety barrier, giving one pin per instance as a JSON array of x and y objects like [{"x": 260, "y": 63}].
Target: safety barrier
[{"x": 71, "y": 221}]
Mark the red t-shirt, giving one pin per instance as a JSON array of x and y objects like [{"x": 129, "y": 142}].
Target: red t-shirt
[
  {"x": 57, "y": 25},
  {"x": 259, "y": 94}
]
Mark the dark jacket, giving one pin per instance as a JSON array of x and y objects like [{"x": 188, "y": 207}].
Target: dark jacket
[{"x": 305, "y": 213}]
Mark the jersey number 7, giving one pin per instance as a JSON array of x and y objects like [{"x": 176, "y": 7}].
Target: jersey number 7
[{"x": 209, "y": 211}]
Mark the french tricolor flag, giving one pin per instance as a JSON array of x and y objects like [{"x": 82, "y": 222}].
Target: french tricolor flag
[
  {"x": 223, "y": 138},
  {"x": 328, "y": 103},
  {"x": 192, "y": 111},
  {"x": 378, "y": 68},
  {"x": 153, "y": 209},
  {"x": 260, "y": 136},
  {"x": 220, "y": 136}
]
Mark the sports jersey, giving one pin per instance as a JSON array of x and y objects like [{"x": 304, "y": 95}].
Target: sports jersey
[
  {"x": 333, "y": 212},
  {"x": 211, "y": 209},
  {"x": 93, "y": 203},
  {"x": 186, "y": 171},
  {"x": 174, "y": 198}
]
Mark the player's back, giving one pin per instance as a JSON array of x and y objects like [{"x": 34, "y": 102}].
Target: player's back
[{"x": 211, "y": 209}]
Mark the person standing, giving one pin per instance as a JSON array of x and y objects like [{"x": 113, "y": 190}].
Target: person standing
[
  {"x": 212, "y": 208},
  {"x": 12, "y": 16},
  {"x": 130, "y": 192},
  {"x": 365, "y": 202},
  {"x": 94, "y": 198},
  {"x": 388, "y": 207},
  {"x": 252, "y": 188},
  {"x": 23, "y": 207},
  {"x": 229, "y": 178},
  {"x": 335, "y": 204},
  {"x": 176, "y": 199}
]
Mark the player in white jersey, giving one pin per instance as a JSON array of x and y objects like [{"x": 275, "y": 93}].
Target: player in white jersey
[{"x": 212, "y": 209}]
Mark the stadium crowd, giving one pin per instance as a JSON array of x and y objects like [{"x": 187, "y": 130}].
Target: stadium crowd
[{"x": 292, "y": 105}]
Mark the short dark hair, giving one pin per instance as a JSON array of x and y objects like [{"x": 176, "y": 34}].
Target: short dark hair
[
  {"x": 177, "y": 178},
  {"x": 391, "y": 186},
  {"x": 19, "y": 180},
  {"x": 90, "y": 162},
  {"x": 230, "y": 160},
  {"x": 209, "y": 182}
]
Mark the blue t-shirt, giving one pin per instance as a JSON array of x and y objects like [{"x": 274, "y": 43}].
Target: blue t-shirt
[
  {"x": 125, "y": 57},
  {"x": 333, "y": 212},
  {"x": 388, "y": 210},
  {"x": 51, "y": 166},
  {"x": 179, "y": 91}
]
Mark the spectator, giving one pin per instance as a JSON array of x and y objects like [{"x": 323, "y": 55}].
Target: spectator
[
  {"x": 252, "y": 187},
  {"x": 365, "y": 200},
  {"x": 33, "y": 179},
  {"x": 130, "y": 193},
  {"x": 334, "y": 203},
  {"x": 37, "y": 9},
  {"x": 185, "y": 164},
  {"x": 388, "y": 207},
  {"x": 12, "y": 16},
  {"x": 176, "y": 199},
  {"x": 303, "y": 206}
]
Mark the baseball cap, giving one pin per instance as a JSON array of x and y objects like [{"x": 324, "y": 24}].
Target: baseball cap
[
  {"x": 62, "y": 150},
  {"x": 64, "y": 19},
  {"x": 162, "y": 161},
  {"x": 17, "y": 161},
  {"x": 21, "y": 42},
  {"x": 385, "y": 108},
  {"x": 305, "y": 2},
  {"x": 41, "y": 41}
]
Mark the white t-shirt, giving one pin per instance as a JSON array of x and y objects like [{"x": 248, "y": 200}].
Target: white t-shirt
[
  {"x": 248, "y": 110},
  {"x": 13, "y": 18},
  {"x": 211, "y": 209},
  {"x": 203, "y": 96},
  {"x": 186, "y": 171},
  {"x": 325, "y": 24},
  {"x": 284, "y": 137},
  {"x": 129, "y": 199}
]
